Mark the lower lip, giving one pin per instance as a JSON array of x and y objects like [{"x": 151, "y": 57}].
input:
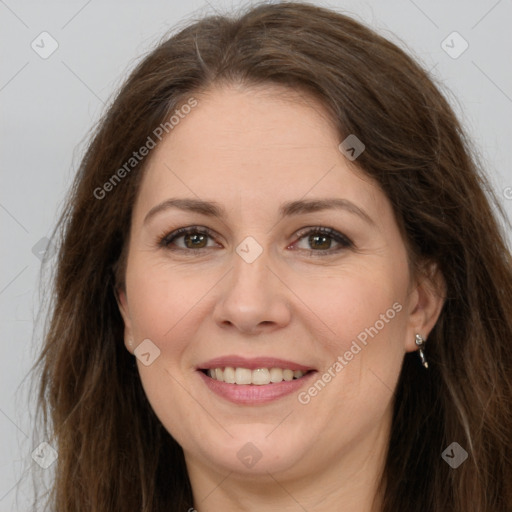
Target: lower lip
[{"x": 251, "y": 394}]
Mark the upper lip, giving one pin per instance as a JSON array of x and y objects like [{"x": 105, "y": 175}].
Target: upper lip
[{"x": 252, "y": 364}]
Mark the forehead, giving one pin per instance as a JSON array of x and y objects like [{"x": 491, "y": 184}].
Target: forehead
[{"x": 258, "y": 145}]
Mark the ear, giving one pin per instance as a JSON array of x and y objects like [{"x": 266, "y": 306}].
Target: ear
[
  {"x": 122, "y": 303},
  {"x": 427, "y": 299}
]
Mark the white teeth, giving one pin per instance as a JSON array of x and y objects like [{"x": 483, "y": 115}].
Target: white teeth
[
  {"x": 258, "y": 377},
  {"x": 288, "y": 375},
  {"x": 261, "y": 376},
  {"x": 229, "y": 375},
  {"x": 243, "y": 376},
  {"x": 276, "y": 375}
]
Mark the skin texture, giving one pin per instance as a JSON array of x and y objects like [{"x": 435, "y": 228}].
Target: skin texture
[{"x": 251, "y": 150}]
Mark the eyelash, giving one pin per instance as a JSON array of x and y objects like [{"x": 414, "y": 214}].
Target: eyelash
[{"x": 167, "y": 239}]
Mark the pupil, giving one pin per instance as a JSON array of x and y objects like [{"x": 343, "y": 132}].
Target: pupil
[
  {"x": 194, "y": 239},
  {"x": 315, "y": 238}
]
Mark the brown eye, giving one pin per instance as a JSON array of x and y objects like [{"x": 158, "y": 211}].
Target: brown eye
[
  {"x": 193, "y": 238},
  {"x": 320, "y": 240},
  {"x": 196, "y": 240}
]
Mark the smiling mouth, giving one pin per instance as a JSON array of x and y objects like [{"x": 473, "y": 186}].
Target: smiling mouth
[{"x": 256, "y": 377}]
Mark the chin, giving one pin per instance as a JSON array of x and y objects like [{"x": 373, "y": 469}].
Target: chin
[{"x": 252, "y": 451}]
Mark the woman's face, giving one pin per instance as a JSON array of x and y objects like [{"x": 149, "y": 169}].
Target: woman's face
[{"x": 265, "y": 292}]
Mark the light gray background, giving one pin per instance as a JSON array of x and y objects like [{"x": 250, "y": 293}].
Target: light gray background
[{"x": 49, "y": 105}]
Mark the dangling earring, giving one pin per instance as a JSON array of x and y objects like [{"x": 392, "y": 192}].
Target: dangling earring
[{"x": 421, "y": 343}]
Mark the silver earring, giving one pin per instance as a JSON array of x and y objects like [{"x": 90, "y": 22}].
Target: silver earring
[{"x": 421, "y": 343}]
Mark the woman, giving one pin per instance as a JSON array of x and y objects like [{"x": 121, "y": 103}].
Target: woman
[{"x": 281, "y": 285}]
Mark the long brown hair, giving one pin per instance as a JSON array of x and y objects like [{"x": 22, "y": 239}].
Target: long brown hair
[{"x": 113, "y": 452}]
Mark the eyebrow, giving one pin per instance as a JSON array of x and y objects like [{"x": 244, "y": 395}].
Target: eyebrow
[{"x": 288, "y": 209}]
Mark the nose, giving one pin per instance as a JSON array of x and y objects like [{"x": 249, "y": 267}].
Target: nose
[{"x": 253, "y": 297}]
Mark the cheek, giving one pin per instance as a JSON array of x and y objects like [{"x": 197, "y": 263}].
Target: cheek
[
  {"x": 363, "y": 346},
  {"x": 162, "y": 297},
  {"x": 164, "y": 304},
  {"x": 362, "y": 304}
]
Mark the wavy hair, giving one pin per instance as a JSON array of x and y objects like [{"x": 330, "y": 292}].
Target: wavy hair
[{"x": 113, "y": 452}]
